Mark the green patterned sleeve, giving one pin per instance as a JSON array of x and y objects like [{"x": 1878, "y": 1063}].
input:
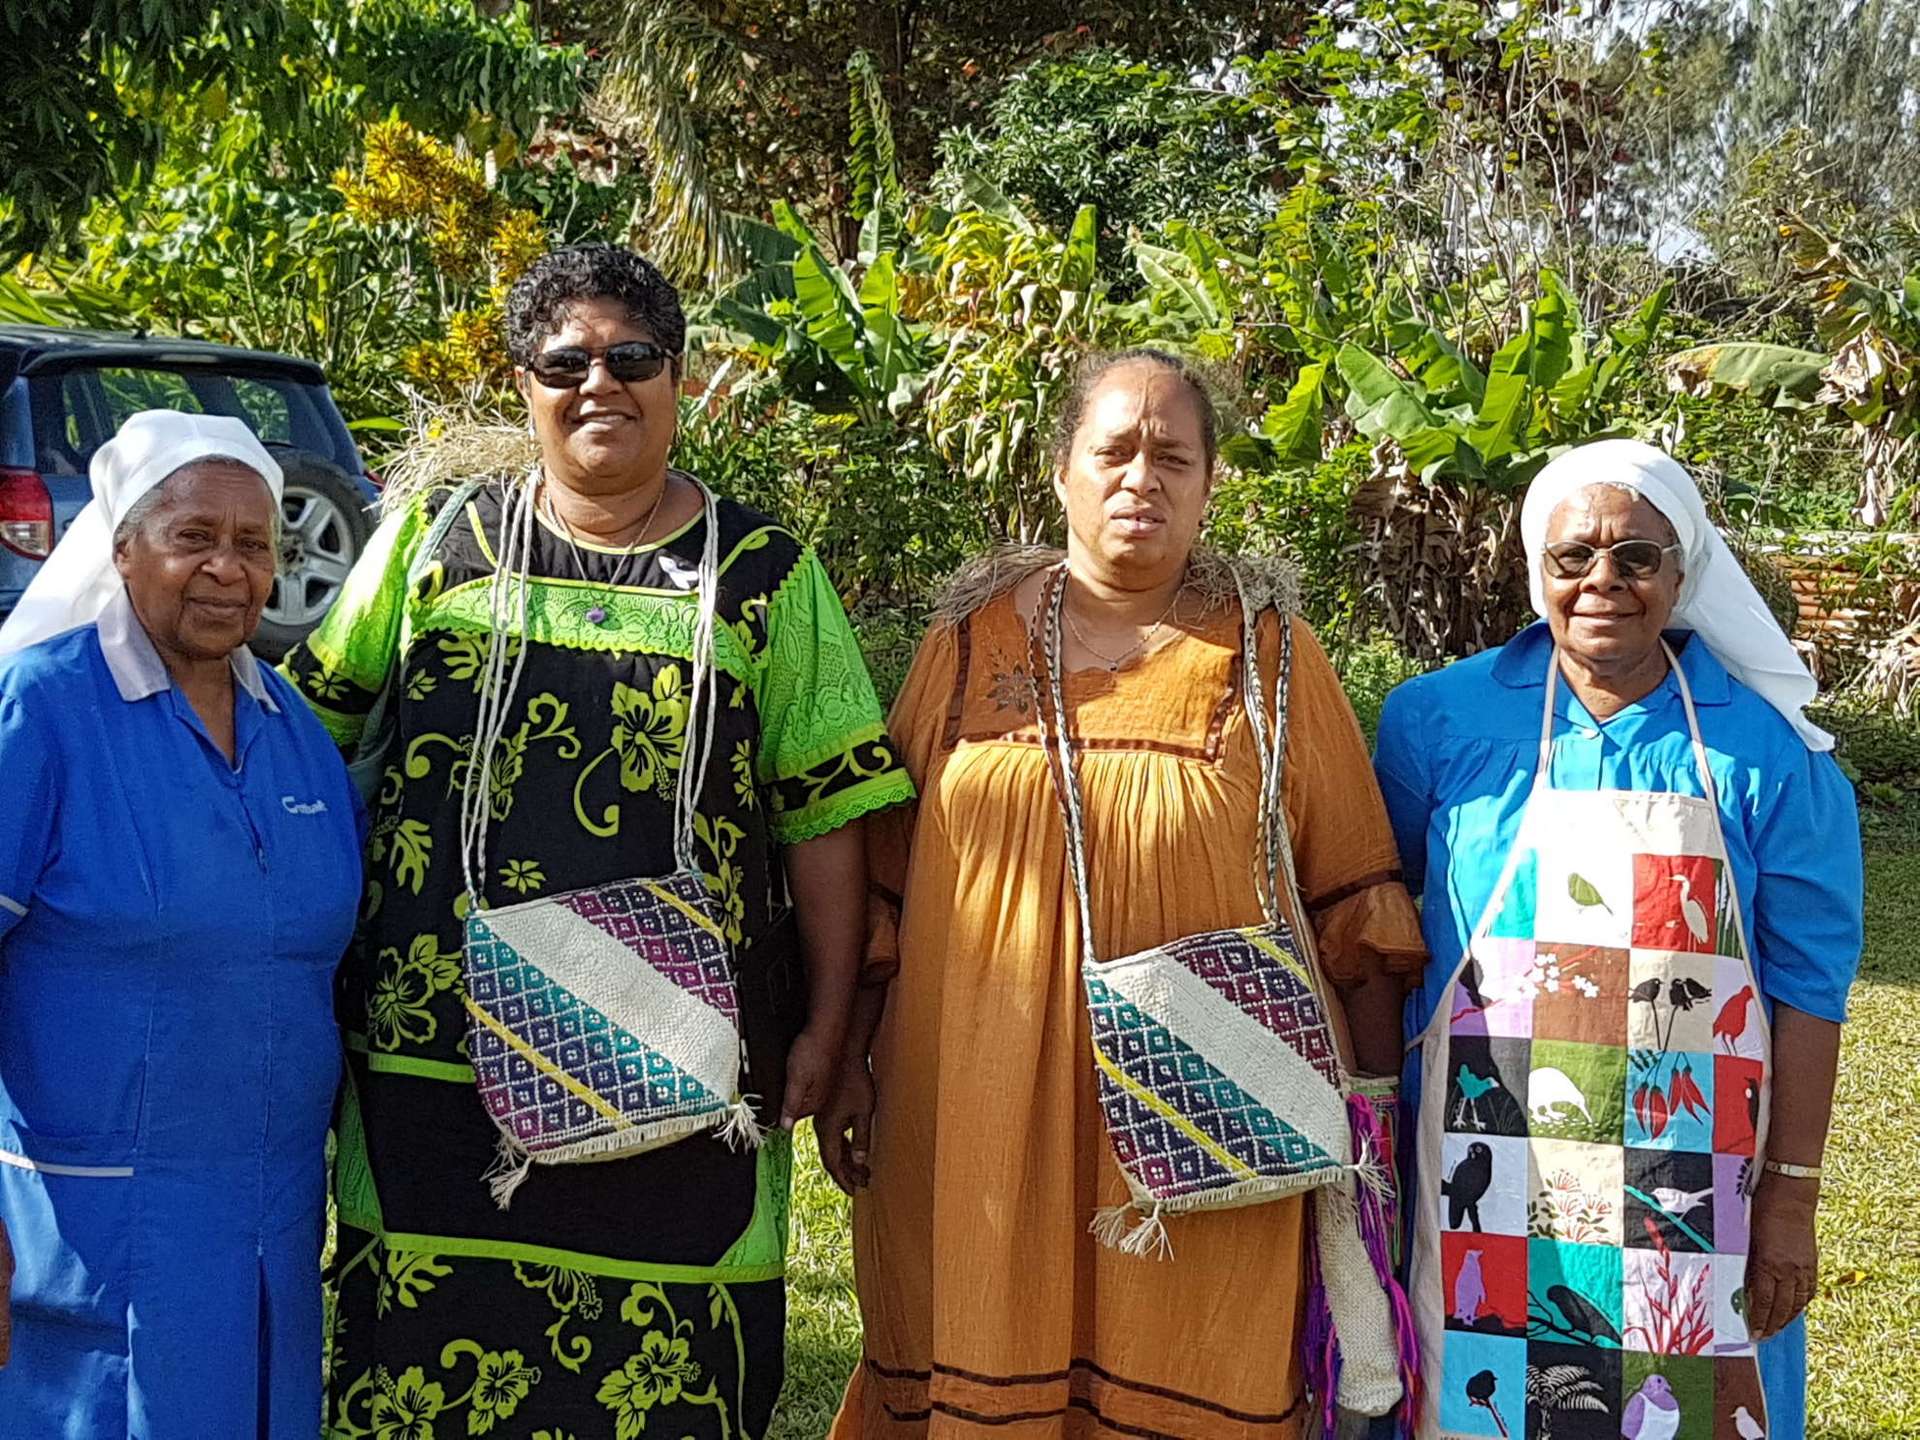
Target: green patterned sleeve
[
  {"x": 825, "y": 758},
  {"x": 340, "y": 667}
]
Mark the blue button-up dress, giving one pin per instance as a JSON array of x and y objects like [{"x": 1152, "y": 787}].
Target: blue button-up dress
[
  {"x": 169, "y": 928},
  {"x": 1456, "y": 757}
]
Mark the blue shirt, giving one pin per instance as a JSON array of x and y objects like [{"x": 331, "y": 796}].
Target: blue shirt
[
  {"x": 1456, "y": 758},
  {"x": 169, "y": 927}
]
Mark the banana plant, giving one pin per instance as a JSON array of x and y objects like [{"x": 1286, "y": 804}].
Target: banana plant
[
  {"x": 1455, "y": 445},
  {"x": 837, "y": 346},
  {"x": 1869, "y": 380}
]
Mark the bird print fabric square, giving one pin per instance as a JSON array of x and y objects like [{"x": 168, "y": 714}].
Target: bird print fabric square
[
  {"x": 1577, "y": 1092},
  {"x": 1586, "y": 892},
  {"x": 1739, "y": 1407},
  {"x": 1486, "y": 1283},
  {"x": 1666, "y": 1398},
  {"x": 1670, "y": 1200},
  {"x": 1490, "y": 1400},
  {"x": 1487, "y": 1092},
  {"x": 1736, "y": 1117},
  {"x": 1573, "y": 1293},
  {"x": 1730, "y": 1335},
  {"x": 1739, "y": 1025},
  {"x": 1484, "y": 1184},
  {"x": 1670, "y": 1000},
  {"x": 1675, "y": 903}
]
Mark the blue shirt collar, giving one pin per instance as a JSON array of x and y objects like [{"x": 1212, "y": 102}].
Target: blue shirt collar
[
  {"x": 1522, "y": 664},
  {"x": 137, "y": 669}
]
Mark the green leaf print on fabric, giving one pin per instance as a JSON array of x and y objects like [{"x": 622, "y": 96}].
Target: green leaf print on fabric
[
  {"x": 524, "y": 876},
  {"x": 742, "y": 766},
  {"x": 466, "y": 655},
  {"x": 420, "y": 684},
  {"x": 400, "y": 1008},
  {"x": 410, "y": 849},
  {"x": 651, "y": 736},
  {"x": 406, "y": 1276},
  {"x": 574, "y": 1294},
  {"x": 721, "y": 838}
]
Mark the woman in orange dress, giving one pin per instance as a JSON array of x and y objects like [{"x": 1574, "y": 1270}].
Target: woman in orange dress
[{"x": 989, "y": 1308}]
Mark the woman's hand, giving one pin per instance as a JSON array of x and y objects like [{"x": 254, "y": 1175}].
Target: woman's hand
[
  {"x": 845, "y": 1127},
  {"x": 1783, "y": 1261},
  {"x": 812, "y": 1066},
  {"x": 6, "y": 1297}
]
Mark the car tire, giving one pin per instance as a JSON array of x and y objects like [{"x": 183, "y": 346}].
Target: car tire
[{"x": 325, "y": 525}]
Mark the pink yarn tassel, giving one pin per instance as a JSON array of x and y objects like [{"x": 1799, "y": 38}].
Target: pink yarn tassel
[
  {"x": 1379, "y": 1228},
  {"x": 1319, "y": 1346}
]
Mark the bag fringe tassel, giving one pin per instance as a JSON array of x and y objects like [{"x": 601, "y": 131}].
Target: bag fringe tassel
[
  {"x": 743, "y": 1131},
  {"x": 1378, "y": 1222},
  {"x": 511, "y": 1163},
  {"x": 1109, "y": 1225},
  {"x": 1149, "y": 1238}
]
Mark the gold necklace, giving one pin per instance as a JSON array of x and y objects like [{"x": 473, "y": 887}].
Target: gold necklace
[{"x": 1114, "y": 662}]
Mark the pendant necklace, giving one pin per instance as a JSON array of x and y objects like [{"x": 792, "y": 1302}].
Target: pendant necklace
[
  {"x": 1114, "y": 662},
  {"x": 597, "y": 615}
]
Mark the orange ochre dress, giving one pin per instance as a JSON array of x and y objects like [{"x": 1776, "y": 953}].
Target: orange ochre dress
[{"x": 988, "y": 1308}]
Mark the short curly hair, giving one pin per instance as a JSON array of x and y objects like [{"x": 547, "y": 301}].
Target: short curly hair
[{"x": 537, "y": 304}]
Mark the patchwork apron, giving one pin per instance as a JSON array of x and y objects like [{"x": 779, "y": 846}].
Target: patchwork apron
[{"x": 1595, "y": 1083}]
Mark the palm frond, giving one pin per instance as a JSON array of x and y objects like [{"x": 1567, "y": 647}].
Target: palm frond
[{"x": 665, "y": 63}]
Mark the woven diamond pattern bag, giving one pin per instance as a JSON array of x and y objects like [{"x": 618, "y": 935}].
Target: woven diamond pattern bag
[
  {"x": 1219, "y": 1075},
  {"x": 603, "y": 1021}
]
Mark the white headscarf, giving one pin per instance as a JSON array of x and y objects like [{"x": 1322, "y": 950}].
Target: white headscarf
[
  {"x": 1717, "y": 601},
  {"x": 75, "y": 583}
]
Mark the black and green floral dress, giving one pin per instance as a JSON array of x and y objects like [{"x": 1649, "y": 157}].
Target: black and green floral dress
[{"x": 642, "y": 1294}]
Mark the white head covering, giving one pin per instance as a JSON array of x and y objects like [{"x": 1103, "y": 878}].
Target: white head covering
[
  {"x": 75, "y": 583},
  {"x": 1717, "y": 601}
]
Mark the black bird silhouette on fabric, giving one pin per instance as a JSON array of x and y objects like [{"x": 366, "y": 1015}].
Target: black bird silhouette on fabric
[
  {"x": 1582, "y": 1315},
  {"x": 1470, "y": 982},
  {"x": 1686, "y": 992},
  {"x": 1472, "y": 1177},
  {"x": 1480, "y": 1388}
]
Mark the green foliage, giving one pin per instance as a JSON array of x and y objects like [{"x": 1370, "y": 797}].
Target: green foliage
[
  {"x": 1148, "y": 144},
  {"x": 81, "y": 107}
]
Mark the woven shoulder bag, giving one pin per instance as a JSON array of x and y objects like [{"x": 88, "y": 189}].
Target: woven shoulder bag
[{"x": 603, "y": 1021}]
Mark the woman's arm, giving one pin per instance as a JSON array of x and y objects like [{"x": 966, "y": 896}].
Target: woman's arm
[
  {"x": 1784, "y": 1261},
  {"x": 828, "y": 878},
  {"x": 1808, "y": 921}
]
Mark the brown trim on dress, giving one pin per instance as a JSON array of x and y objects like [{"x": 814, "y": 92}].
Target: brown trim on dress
[
  {"x": 1077, "y": 1370},
  {"x": 1352, "y": 888}
]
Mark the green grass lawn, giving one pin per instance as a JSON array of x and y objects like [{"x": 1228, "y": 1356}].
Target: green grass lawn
[{"x": 1864, "y": 1328}]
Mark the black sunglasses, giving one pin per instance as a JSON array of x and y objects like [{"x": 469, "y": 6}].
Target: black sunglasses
[
  {"x": 1632, "y": 559},
  {"x": 567, "y": 368}
]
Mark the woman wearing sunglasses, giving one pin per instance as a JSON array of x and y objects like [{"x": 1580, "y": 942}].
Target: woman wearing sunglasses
[
  {"x": 580, "y": 637},
  {"x": 1642, "y": 883}
]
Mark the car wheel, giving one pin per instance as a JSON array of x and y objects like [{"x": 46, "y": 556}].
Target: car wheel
[{"x": 324, "y": 527}]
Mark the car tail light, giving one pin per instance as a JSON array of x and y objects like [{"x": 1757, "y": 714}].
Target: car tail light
[{"x": 26, "y": 514}]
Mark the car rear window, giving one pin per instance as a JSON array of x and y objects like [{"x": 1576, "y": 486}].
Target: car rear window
[{"x": 78, "y": 409}]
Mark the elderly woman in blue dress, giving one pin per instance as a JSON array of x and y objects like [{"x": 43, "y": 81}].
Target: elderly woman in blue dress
[
  {"x": 1642, "y": 884},
  {"x": 179, "y": 867}
]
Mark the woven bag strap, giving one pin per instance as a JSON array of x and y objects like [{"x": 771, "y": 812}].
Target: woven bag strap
[{"x": 1270, "y": 744}]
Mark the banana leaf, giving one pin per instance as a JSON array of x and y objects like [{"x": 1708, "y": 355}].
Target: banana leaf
[
  {"x": 1780, "y": 376},
  {"x": 1381, "y": 404},
  {"x": 1293, "y": 427}
]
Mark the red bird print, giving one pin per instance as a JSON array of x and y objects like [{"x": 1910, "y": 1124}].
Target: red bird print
[{"x": 1731, "y": 1023}]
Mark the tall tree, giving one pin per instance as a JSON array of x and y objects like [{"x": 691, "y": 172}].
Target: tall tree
[
  {"x": 81, "y": 92},
  {"x": 738, "y": 100}
]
